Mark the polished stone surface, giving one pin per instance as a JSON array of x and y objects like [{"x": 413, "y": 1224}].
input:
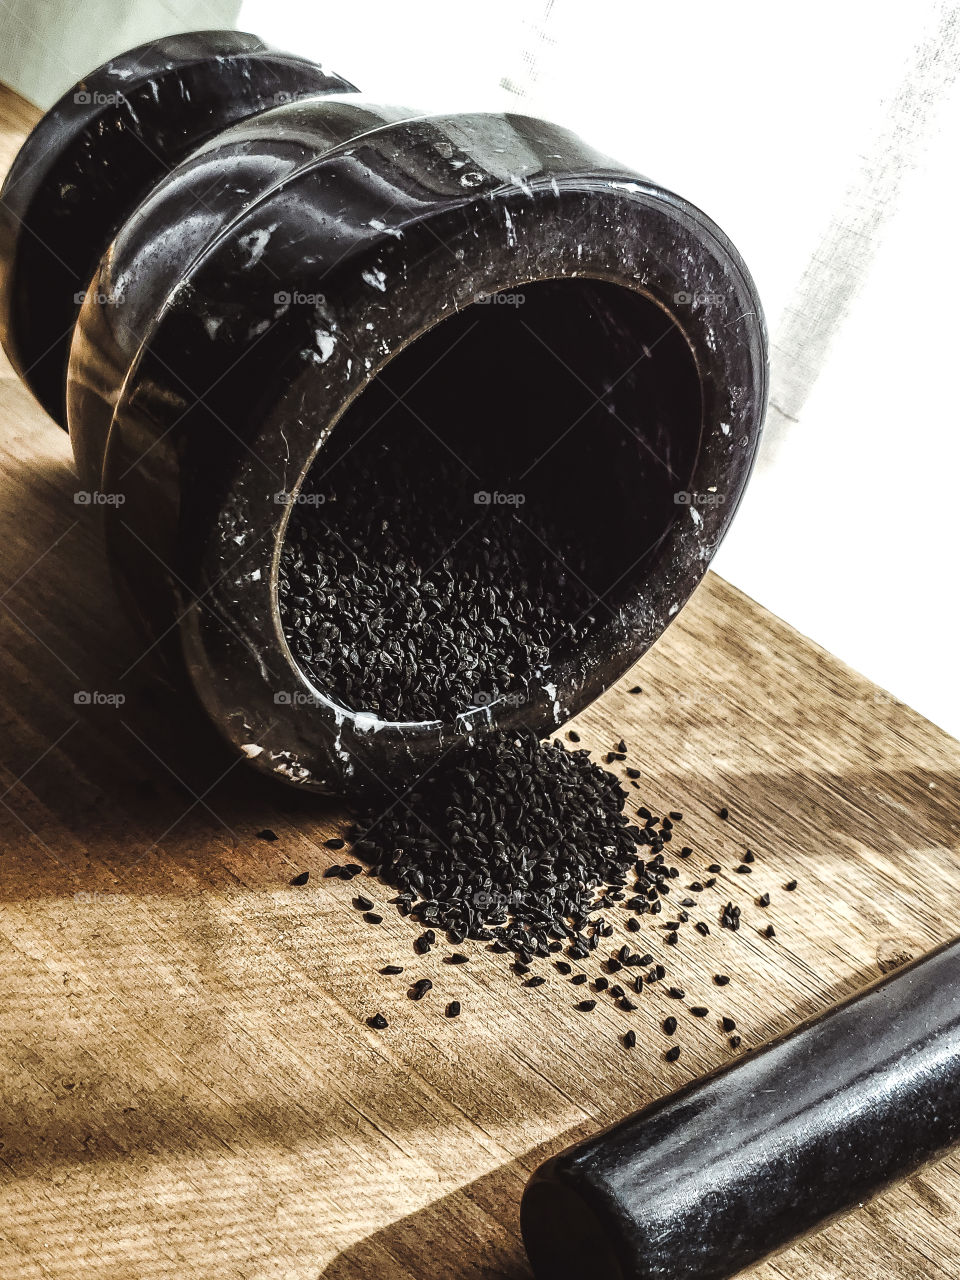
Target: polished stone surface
[
  {"x": 96, "y": 153},
  {"x": 738, "y": 1164},
  {"x": 281, "y": 269}
]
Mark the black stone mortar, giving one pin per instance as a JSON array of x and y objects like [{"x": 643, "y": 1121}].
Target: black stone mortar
[{"x": 246, "y": 260}]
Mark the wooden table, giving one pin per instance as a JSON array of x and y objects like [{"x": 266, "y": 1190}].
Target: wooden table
[{"x": 189, "y": 1088}]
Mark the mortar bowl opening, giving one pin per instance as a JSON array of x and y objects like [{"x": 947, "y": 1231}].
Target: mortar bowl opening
[{"x": 490, "y": 504}]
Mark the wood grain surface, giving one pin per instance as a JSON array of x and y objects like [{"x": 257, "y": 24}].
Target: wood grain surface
[{"x": 189, "y": 1088}]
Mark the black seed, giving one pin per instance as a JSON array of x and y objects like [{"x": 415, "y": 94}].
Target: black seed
[
  {"x": 764, "y": 901},
  {"x": 730, "y": 917},
  {"x": 371, "y": 917},
  {"x": 520, "y": 844},
  {"x": 669, "y": 1026},
  {"x": 378, "y": 1022},
  {"x": 536, "y": 981},
  {"x": 672, "y": 1054},
  {"x": 721, "y": 979},
  {"x": 562, "y": 966},
  {"x": 769, "y": 931},
  {"x": 790, "y": 886},
  {"x": 743, "y": 869},
  {"x": 735, "y": 1042},
  {"x": 392, "y": 969},
  {"x": 702, "y": 927},
  {"x": 600, "y": 984},
  {"x": 335, "y": 843},
  {"x": 333, "y": 873},
  {"x": 586, "y": 1006},
  {"x": 676, "y": 993},
  {"x": 675, "y": 816},
  {"x": 453, "y": 1009},
  {"x": 632, "y": 772},
  {"x": 573, "y": 735},
  {"x": 578, "y": 979},
  {"x": 362, "y": 904},
  {"x": 420, "y": 989},
  {"x": 267, "y": 834},
  {"x": 728, "y": 1024},
  {"x": 715, "y": 868},
  {"x": 629, "y": 1039},
  {"x": 636, "y": 689},
  {"x": 699, "y": 1011},
  {"x": 616, "y": 992},
  {"x": 302, "y": 878},
  {"x": 748, "y": 857},
  {"x": 724, "y": 814}
]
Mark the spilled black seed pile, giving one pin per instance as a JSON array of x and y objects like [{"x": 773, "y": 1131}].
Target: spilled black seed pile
[
  {"x": 512, "y": 840},
  {"x": 417, "y": 607},
  {"x": 526, "y": 848}
]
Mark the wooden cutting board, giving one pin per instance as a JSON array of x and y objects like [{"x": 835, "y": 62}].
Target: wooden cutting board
[{"x": 189, "y": 1087}]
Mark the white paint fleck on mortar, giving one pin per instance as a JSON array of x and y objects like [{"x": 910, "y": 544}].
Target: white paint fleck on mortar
[
  {"x": 254, "y": 243},
  {"x": 325, "y": 344},
  {"x": 375, "y": 278}
]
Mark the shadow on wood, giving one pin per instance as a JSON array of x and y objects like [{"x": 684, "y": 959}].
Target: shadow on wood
[{"x": 471, "y": 1234}]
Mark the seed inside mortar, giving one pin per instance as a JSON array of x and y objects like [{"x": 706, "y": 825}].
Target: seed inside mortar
[{"x": 463, "y": 600}]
